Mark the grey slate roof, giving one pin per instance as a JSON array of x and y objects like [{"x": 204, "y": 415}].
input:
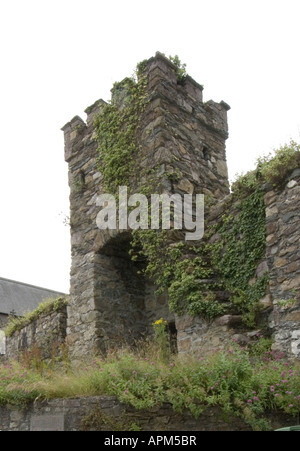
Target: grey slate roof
[{"x": 22, "y": 297}]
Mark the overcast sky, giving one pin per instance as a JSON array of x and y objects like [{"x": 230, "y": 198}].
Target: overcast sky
[{"x": 58, "y": 57}]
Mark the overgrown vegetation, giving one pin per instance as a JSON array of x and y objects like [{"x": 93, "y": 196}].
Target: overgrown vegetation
[
  {"x": 18, "y": 322},
  {"x": 116, "y": 128},
  {"x": 243, "y": 381},
  {"x": 272, "y": 168},
  {"x": 238, "y": 252},
  {"x": 181, "y": 72},
  {"x": 193, "y": 275}
]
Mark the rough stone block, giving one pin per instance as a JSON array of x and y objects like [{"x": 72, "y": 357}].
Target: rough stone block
[{"x": 47, "y": 422}]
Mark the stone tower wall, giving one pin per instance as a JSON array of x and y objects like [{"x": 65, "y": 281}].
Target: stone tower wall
[{"x": 109, "y": 302}]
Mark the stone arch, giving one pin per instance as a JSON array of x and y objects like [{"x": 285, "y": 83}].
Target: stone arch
[
  {"x": 126, "y": 301},
  {"x": 119, "y": 294}
]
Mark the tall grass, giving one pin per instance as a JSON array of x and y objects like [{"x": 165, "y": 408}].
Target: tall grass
[{"x": 245, "y": 382}]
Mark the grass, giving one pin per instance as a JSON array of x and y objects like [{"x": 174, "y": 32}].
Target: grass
[{"x": 246, "y": 382}]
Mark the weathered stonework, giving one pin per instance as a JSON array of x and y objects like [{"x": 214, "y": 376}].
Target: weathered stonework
[
  {"x": 280, "y": 307},
  {"x": 109, "y": 302},
  {"x": 200, "y": 336},
  {"x": 112, "y": 304},
  {"x": 73, "y": 415},
  {"x": 47, "y": 333},
  {"x": 283, "y": 259}
]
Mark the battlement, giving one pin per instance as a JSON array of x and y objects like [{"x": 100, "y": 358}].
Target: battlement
[
  {"x": 163, "y": 81},
  {"x": 178, "y": 104}
]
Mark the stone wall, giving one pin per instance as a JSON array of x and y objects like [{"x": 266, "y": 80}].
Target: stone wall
[
  {"x": 104, "y": 413},
  {"x": 283, "y": 259},
  {"x": 127, "y": 297},
  {"x": 197, "y": 335},
  {"x": 46, "y": 333},
  {"x": 280, "y": 306}
]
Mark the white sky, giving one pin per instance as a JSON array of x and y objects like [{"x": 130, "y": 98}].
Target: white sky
[{"x": 58, "y": 57}]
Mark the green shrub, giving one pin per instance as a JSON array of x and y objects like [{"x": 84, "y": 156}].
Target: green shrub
[{"x": 272, "y": 168}]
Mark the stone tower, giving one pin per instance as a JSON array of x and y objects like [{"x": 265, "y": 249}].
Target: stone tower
[{"x": 110, "y": 303}]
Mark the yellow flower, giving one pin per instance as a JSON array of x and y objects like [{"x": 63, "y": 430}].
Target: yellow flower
[{"x": 159, "y": 321}]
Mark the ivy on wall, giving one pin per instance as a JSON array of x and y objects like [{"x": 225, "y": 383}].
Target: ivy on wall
[
  {"x": 116, "y": 127},
  {"x": 238, "y": 252},
  {"x": 193, "y": 275}
]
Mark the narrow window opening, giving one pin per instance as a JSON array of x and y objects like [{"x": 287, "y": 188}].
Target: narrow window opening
[{"x": 206, "y": 155}]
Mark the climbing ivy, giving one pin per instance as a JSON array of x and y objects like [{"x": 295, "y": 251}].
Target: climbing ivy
[
  {"x": 117, "y": 125},
  {"x": 193, "y": 275},
  {"x": 116, "y": 128},
  {"x": 182, "y": 270},
  {"x": 239, "y": 250}
]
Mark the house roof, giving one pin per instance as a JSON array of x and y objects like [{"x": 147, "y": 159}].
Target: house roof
[{"x": 21, "y": 297}]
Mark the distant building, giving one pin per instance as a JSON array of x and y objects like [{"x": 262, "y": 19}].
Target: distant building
[{"x": 19, "y": 298}]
